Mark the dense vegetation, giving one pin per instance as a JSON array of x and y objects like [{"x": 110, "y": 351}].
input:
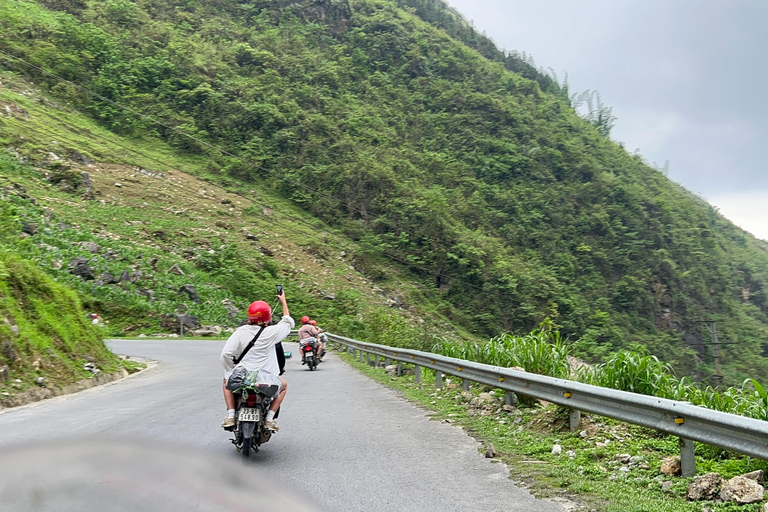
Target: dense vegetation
[{"x": 473, "y": 172}]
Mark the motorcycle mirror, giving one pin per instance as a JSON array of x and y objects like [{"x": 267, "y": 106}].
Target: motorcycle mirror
[{"x": 288, "y": 355}]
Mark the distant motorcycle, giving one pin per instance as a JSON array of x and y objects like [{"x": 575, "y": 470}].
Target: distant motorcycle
[
  {"x": 252, "y": 402},
  {"x": 308, "y": 348}
]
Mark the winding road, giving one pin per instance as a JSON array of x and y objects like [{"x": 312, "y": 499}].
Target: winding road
[{"x": 346, "y": 443}]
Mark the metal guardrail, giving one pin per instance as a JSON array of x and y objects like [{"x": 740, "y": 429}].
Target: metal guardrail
[{"x": 683, "y": 419}]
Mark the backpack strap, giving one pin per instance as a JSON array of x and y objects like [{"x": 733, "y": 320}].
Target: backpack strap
[{"x": 239, "y": 358}]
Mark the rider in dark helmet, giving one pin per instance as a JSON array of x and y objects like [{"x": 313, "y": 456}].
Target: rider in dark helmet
[{"x": 261, "y": 356}]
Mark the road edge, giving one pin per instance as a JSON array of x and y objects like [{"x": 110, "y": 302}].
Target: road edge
[{"x": 41, "y": 394}]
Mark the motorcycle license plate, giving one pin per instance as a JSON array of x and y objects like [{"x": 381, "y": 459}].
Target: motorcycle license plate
[{"x": 248, "y": 414}]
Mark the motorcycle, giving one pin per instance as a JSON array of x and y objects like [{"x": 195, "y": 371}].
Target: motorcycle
[
  {"x": 309, "y": 352},
  {"x": 251, "y": 406}
]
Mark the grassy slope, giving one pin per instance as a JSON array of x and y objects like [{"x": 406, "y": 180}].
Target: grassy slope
[{"x": 44, "y": 330}]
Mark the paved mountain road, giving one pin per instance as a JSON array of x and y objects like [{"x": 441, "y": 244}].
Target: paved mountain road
[{"x": 346, "y": 442}]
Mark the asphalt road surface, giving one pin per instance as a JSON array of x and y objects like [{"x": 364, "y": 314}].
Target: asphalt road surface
[{"x": 346, "y": 443}]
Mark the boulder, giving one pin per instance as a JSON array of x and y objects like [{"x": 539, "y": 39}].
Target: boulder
[
  {"x": 391, "y": 370},
  {"x": 705, "y": 487},
  {"x": 191, "y": 291},
  {"x": 671, "y": 466},
  {"x": 79, "y": 267},
  {"x": 5, "y": 373},
  {"x": 742, "y": 491}
]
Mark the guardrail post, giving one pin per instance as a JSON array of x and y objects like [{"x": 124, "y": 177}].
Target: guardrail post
[
  {"x": 417, "y": 374},
  {"x": 465, "y": 385},
  {"x": 399, "y": 368},
  {"x": 368, "y": 358},
  {"x": 575, "y": 420},
  {"x": 377, "y": 360},
  {"x": 438, "y": 379},
  {"x": 386, "y": 361},
  {"x": 510, "y": 398},
  {"x": 687, "y": 457},
  {"x": 360, "y": 355}
]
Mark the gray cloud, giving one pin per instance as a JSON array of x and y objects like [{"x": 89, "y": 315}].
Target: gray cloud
[{"x": 684, "y": 77}]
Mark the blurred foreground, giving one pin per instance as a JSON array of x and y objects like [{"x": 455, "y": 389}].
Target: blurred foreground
[{"x": 132, "y": 475}]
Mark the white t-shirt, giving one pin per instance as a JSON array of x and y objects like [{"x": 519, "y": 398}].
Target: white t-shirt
[{"x": 262, "y": 355}]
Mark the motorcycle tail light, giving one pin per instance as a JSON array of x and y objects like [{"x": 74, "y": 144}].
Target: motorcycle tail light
[
  {"x": 252, "y": 399},
  {"x": 308, "y": 349}
]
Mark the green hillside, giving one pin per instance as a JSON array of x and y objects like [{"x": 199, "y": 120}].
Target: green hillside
[
  {"x": 44, "y": 332},
  {"x": 466, "y": 174}
]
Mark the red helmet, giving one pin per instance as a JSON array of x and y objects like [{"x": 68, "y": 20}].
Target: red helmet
[
  {"x": 305, "y": 320},
  {"x": 259, "y": 312},
  {"x": 313, "y": 322}
]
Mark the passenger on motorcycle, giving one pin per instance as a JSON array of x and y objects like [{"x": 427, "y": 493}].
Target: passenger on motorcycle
[
  {"x": 322, "y": 337},
  {"x": 306, "y": 331},
  {"x": 261, "y": 356}
]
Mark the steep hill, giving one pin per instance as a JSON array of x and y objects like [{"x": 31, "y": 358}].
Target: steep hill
[{"x": 491, "y": 193}]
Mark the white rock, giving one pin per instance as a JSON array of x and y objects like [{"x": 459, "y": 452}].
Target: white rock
[{"x": 557, "y": 449}]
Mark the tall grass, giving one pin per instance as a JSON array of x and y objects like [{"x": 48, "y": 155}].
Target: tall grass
[{"x": 544, "y": 352}]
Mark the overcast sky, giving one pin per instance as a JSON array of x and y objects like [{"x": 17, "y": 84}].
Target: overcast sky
[{"x": 685, "y": 78}]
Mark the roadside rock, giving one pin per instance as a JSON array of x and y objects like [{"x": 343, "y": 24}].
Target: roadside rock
[
  {"x": 206, "y": 331},
  {"x": 391, "y": 370},
  {"x": 191, "y": 291},
  {"x": 490, "y": 452},
  {"x": 742, "y": 490},
  {"x": 5, "y": 373},
  {"x": 671, "y": 466},
  {"x": 704, "y": 487}
]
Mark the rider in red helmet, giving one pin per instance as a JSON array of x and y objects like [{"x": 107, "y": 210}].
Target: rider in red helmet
[
  {"x": 262, "y": 356},
  {"x": 307, "y": 330}
]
